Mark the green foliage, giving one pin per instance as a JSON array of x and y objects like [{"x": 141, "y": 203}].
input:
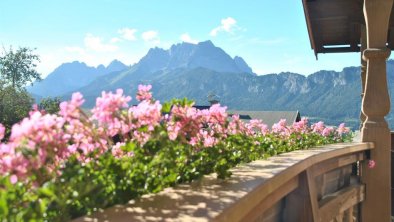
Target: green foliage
[
  {"x": 50, "y": 105},
  {"x": 85, "y": 188},
  {"x": 179, "y": 102},
  {"x": 17, "y": 68},
  {"x": 15, "y": 104}
]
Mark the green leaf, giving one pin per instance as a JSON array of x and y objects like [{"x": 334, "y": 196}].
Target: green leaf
[{"x": 130, "y": 146}]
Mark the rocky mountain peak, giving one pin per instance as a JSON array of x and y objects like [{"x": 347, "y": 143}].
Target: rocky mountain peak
[
  {"x": 115, "y": 66},
  {"x": 187, "y": 55}
]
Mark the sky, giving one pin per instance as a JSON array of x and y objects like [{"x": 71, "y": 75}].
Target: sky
[{"x": 271, "y": 36}]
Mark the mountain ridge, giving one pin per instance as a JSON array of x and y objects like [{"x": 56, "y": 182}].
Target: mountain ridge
[
  {"x": 187, "y": 55},
  {"x": 71, "y": 76},
  {"x": 185, "y": 70}
]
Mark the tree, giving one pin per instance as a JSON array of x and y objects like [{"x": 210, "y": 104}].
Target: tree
[
  {"x": 17, "y": 68},
  {"x": 50, "y": 105},
  {"x": 14, "y": 105}
]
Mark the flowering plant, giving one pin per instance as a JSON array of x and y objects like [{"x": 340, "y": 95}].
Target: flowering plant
[{"x": 57, "y": 167}]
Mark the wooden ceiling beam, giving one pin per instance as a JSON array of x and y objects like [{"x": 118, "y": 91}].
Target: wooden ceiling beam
[
  {"x": 329, "y": 18},
  {"x": 390, "y": 38},
  {"x": 339, "y": 49},
  {"x": 309, "y": 26},
  {"x": 354, "y": 35}
]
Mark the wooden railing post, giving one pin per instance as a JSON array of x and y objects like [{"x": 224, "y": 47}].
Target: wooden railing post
[
  {"x": 363, "y": 41},
  {"x": 298, "y": 203},
  {"x": 376, "y": 105}
]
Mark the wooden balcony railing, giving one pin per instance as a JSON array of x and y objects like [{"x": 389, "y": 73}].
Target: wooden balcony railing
[
  {"x": 392, "y": 173},
  {"x": 320, "y": 184}
]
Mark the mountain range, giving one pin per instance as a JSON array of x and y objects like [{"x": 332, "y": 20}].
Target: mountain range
[
  {"x": 72, "y": 76},
  {"x": 196, "y": 70}
]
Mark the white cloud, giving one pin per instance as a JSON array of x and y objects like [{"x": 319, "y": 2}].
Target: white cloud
[
  {"x": 227, "y": 25},
  {"x": 115, "y": 40},
  {"x": 75, "y": 49},
  {"x": 151, "y": 36},
  {"x": 128, "y": 34},
  {"x": 185, "y": 37},
  {"x": 95, "y": 43}
]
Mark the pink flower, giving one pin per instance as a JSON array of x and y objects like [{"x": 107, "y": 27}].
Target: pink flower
[
  {"x": 281, "y": 128},
  {"x": 327, "y": 131},
  {"x": 145, "y": 115},
  {"x": 13, "y": 179},
  {"x": 301, "y": 126},
  {"x": 38, "y": 142},
  {"x": 173, "y": 129},
  {"x": 318, "y": 127},
  {"x": 342, "y": 129},
  {"x": 2, "y": 131},
  {"x": 236, "y": 126},
  {"x": 257, "y": 127},
  {"x": 216, "y": 114},
  {"x": 184, "y": 122},
  {"x": 207, "y": 138},
  {"x": 144, "y": 92},
  {"x": 43, "y": 142},
  {"x": 118, "y": 152},
  {"x": 70, "y": 110},
  {"x": 193, "y": 141},
  {"x": 108, "y": 112},
  {"x": 371, "y": 164}
]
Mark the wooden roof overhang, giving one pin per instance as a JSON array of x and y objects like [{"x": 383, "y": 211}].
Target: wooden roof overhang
[{"x": 335, "y": 25}]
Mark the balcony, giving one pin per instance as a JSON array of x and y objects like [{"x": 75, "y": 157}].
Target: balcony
[{"x": 319, "y": 184}]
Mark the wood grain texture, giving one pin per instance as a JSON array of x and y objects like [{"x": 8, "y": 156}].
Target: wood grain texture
[{"x": 212, "y": 199}]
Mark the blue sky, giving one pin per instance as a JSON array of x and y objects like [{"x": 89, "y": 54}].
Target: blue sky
[{"x": 270, "y": 35}]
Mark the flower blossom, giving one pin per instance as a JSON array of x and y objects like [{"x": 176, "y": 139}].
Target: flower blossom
[
  {"x": 257, "y": 127},
  {"x": 144, "y": 92},
  {"x": 215, "y": 114},
  {"x": 145, "y": 115},
  {"x": 44, "y": 142},
  {"x": 107, "y": 112},
  {"x": 70, "y": 110},
  {"x": 236, "y": 126},
  {"x": 371, "y": 164},
  {"x": 2, "y": 131},
  {"x": 318, "y": 127},
  {"x": 327, "y": 131},
  {"x": 36, "y": 142},
  {"x": 207, "y": 138},
  {"x": 301, "y": 126},
  {"x": 184, "y": 122},
  {"x": 281, "y": 128},
  {"x": 342, "y": 129}
]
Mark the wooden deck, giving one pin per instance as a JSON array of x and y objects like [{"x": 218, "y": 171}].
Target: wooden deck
[{"x": 320, "y": 184}]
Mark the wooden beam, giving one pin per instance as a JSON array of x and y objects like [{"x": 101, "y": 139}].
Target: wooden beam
[
  {"x": 331, "y": 18},
  {"x": 313, "y": 195},
  {"x": 337, "y": 203},
  {"x": 309, "y": 26},
  {"x": 331, "y": 164},
  {"x": 354, "y": 35},
  {"x": 274, "y": 197},
  {"x": 390, "y": 38},
  {"x": 298, "y": 205},
  {"x": 338, "y": 49}
]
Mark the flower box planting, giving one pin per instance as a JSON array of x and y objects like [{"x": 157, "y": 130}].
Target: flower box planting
[{"x": 59, "y": 167}]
